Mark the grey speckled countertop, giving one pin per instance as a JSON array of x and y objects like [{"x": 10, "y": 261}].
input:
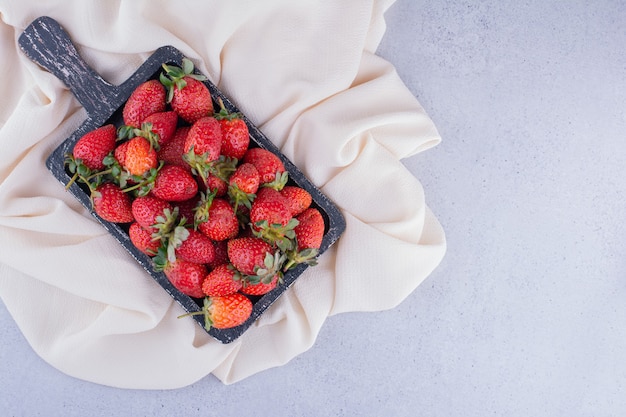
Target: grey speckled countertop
[{"x": 526, "y": 316}]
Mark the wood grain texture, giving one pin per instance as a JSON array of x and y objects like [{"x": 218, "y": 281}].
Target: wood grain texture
[{"x": 48, "y": 44}]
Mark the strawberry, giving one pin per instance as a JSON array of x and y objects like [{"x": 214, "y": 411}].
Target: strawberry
[
  {"x": 172, "y": 152},
  {"x": 255, "y": 260},
  {"x": 158, "y": 129},
  {"x": 187, "y": 94},
  {"x": 146, "y": 99},
  {"x": 220, "y": 281},
  {"x": 205, "y": 138},
  {"x": 308, "y": 235},
  {"x": 196, "y": 248},
  {"x": 120, "y": 153},
  {"x": 224, "y": 312},
  {"x": 271, "y": 218},
  {"x": 131, "y": 170},
  {"x": 270, "y": 167},
  {"x": 142, "y": 239},
  {"x": 185, "y": 276},
  {"x": 147, "y": 209},
  {"x": 270, "y": 206},
  {"x": 298, "y": 198},
  {"x": 172, "y": 232},
  {"x": 216, "y": 219},
  {"x": 246, "y": 178},
  {"x": 202, "y": 148},
  {"x": 243, "y": 185},
  {"x": 138, "y": 157},
  {"x": 163, "y": 124},
  {"x": 94, "y": 146},
  {"x": 248, "y": 254},
  {"x": 174, "y": 183},
  {"x": 260, "y": 288},
  {"x": 236, "y": 136},
  {"x": 215, "y": 184},
  {"x": 112, "y": 204},
  {"x": 310, "y": 229}
]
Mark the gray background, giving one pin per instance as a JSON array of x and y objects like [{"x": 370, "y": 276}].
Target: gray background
[{"x": 526, "y": 316}]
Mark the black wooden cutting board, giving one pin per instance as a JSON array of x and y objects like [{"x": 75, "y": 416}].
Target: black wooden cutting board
[{"x": 45, "y": 42}]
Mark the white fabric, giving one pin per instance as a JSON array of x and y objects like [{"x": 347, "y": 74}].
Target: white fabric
[{"x": 306, "y": 73}]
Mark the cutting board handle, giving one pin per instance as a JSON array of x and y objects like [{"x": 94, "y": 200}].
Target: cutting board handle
[{"x": 45, "y": 42}]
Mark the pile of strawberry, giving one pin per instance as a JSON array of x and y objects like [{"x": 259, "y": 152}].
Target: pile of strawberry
[{"x": 216, "y": 213}]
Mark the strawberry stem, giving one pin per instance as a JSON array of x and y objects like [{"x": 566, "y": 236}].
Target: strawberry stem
[
  {"x": 72, "y": 181},
  {"x": 306, "y": 256},
  {"x": 98, "y": 174},
  {"x": 205, "y": 311},
  {"x": 223, "y": 114},
  {"x": 144, "y": 184}
]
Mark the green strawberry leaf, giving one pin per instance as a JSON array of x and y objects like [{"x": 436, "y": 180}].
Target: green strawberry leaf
[{"x": 187, "y": 66}]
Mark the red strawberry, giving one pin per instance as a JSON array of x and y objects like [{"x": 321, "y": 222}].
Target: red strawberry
[
  {"x": 308, "y": 234},
  {"x": 92, "y": 147},
  {"x": 271, "y": 218},
  {"x": 221, "y": 281},
  {"x": 270, "y": 167},
  {"x": 193, "y": 101},
  {"x": 216, "y": 185},
  {"x": 270, "y": 206},
  {"x": 196, "y": 248},
  {"x": 120, "y": 152},
  {"x": 243, "y": 185},
  {"x": 246, "y": 178},
  {"x": 216, "y": 219},
  {"x": 138, "y": 156},
  {"x": 112, "y": 204},
  {"x": 188, "y": 96},
  {"x": 172, "y": 152},
  {"x": 142, "y": 239},
  {"x": 205, "y": 137},
  {"x": 247, "y": 254},
  {"x": 260, "y": 288},
  {"x": 310, "y": 229},
  {"x": 146, "y": 99},
  {"x": 174, "y": 183},
  {"x": 186, "y": 276},
  {"x": 236, "y": 136},
  {"x": 256, "y": 260},
  {"x": 298, "y": 198},
  {"x": 147, "y": 209},
  {"x": 224, "y": 312},
  {"x": 163, "y": 124}
]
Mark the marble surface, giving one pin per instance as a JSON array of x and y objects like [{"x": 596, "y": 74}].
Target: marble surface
[{"x": 526, "y": 316}]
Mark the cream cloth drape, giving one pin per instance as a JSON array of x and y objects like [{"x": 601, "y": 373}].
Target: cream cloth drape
[{"x": 306, "y": 73}]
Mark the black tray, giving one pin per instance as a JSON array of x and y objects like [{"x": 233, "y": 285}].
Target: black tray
[{"x": 45, "y": 42}]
